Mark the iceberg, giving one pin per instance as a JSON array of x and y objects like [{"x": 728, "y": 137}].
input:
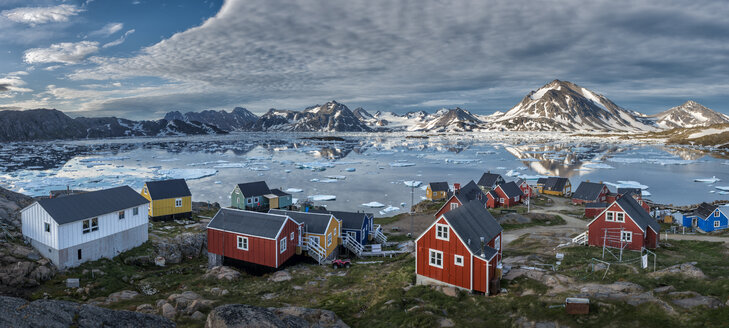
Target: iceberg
[
  {"x": 627, "y": 184},
  {"x": 322, "y": 198},
  {"x": 389, "y": 209},
  {"x": 413, "y": 184},
  {"x": 713, "y": 179},
  {"x": 373, "y": 204},
  {"x": 402, "y": 164},
  {"x": 722, "y": 188},
  {"x": 336, "y": 177},
  {"x": 293, "y": 190},
  {"x": 187, "y": 174},
  {"x": 597, "y": 166},
  {"x": 350, "y": 169}
]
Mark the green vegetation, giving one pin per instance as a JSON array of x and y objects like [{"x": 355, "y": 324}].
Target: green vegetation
[{"x": 541, "y": 220}]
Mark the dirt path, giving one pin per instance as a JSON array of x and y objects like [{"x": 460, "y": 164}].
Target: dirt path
[
  {"x": 572, "y": 224},
  {"x": 671, "y": 236}
]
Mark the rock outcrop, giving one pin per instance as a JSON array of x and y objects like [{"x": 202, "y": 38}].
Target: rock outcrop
[
  {"x": 183, "y": 246},
  {"x": 19, "y": 313},
  {"x": 242, "y": 316}
]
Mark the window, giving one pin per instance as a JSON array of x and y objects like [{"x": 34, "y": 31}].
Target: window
[
  {"x": 90, "y": 225},
  {"x": 121, "y": 215},
  {"x": 282, "y": 245},
  {"x": 620, "y": 217},
  {"x": 135, "y": 211},
  {"x": 454, "y": 206},
  {"x": 250, "y": 201},
  {"x": 516, "y": 199},
  {"x": 292, "y": 236},
  {"x": 242, "y": 243},
  {"x": 627, "y": 236},
  {"x": 47, "y": 227},
  {"x": 441, "y": 231},
  {"x": 255, "y": 200},
  {"x": 335, "y": 232},
  {"x": 329, "y": 239},
  {"x": 79, "y": 254},
  {"x": 458, "y": 260},
  {"x": 178, "y": 202},
  {"x": 716, "y": 214},
  {"x": 314, "y": 240},
  {"x": 609, "y": 216},
  {"x": 716, "y": 224},
  {"x": 436, "y": 258},
  {"x": 501, "y": 200},
  {"x": 144, "y": 190},
  {"x": 497, "y": 243}
]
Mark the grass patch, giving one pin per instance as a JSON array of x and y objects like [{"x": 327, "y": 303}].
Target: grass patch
[{"x": 536, "y": 221}]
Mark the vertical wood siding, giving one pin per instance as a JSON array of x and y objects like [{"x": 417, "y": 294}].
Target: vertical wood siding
[
  {"x": 32, "y": 222},
  {"x": 71, "y": 234},
  {"x": 450, "y": 273},
  {"x": 596, "y": 233},
  {"x": 260, "y": 251}
]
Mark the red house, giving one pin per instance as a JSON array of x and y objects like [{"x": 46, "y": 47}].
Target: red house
[
  {"x": 592, "y": 210},
  {"x": 504, "y": 195},
  {"x": 462, "y": 248},
  {"x": 526, "y": 189},
  {"x": 462, "y": 195},
  {"x": 254, "y": 237},
  {"x": 624, "y": 224},
  {"x": 590, "y": 192}
]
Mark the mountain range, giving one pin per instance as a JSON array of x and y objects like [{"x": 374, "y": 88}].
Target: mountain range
[{"x": 556, "y": 106}]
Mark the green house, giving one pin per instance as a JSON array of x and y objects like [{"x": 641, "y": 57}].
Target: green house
[{"x": 257, "y": 196}]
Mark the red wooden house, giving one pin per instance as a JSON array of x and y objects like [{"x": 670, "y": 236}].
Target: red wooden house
[
  {"x": 594, "y": 209},
  {"x": 462, "y": 195},
  {"x": 637, "y": 194},
  {"x": 254, "y": 237},
  {"x": 590, "y": 192},
  {"x": 462, "y": 248},
  {"x": 504, "y": 195},
  {"x": 624, "y": 224},
  {"x": 526, "y": 189}
]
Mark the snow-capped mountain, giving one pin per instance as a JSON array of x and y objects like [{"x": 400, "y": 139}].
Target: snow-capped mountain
[
  {"x": 330, "y": 117},
  {"x": 237, "y": 120},
  {"x": 565, "y": 106},
  {"x": 688, "y": 115}
]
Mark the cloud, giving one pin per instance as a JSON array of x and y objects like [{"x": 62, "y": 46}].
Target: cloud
[
  {"x": 41, "y": 15},
  {"x": 108, "y": 29},
  {"x": 64, "y": 52},
  {"x": 11, "y": 84},
  {"x": 118, "y": 41}
]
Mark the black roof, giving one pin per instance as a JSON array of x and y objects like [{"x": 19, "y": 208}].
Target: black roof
[
  {"x": 279, "y": 193},
  {"x": 596, "y": 205},
  {"x": 350, "y": 220},
  {"x": 541, "y": 181},
  {"x": 705, "y": 210},
  {"x": 439, "y": 186},
  {"x": 248, "y": 222},
  {"x": 493, "y": 194},
  {"x": 555, "y": 183},
  {"x": 511, "y": 189},
  {"x": 490, "y": 180},
  {"x": 630, "y": 191},
  {"x": 77, "y": 207},
  {"x": 165, "y": 189},
  {"x": 638, "y": 213},
  {"x": 470, "y": 192},
  {"x": 588, "y": 191},
  {"x": 315, "y": 222},
  {"x": 472, "y": 221},
  {"x": 520, "y": 181},
  {"x": 257, "y": 188}
]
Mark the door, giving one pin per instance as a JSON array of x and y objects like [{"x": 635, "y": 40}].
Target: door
[
  {"x": 79, "y": 254},
  {"x": 694, "y": 222},
  {"x": 353, "y": 235}
]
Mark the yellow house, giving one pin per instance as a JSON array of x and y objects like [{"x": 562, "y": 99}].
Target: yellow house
[
  {"x": 437, "y": 190},
  {"x": 320, "y": 233},
  {"x": 555, "y": 186},
  {"x": 168, "y": 199}
]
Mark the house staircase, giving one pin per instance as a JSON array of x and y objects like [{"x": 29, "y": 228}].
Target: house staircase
[
  {"x": 314, "y": 250},
  {"x": 352, "y": 244},
  {"x": 378, "y": 235},
  {"x": 581, "y": 239}
]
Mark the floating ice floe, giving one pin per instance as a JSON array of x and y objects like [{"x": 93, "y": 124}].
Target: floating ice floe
[
  {"x": 722, "y": 188},
  {"x": 597, "y": 166},
  {"x": 462, "y": 160},
  {"x": 230, "y": 165},
  {"x": 316, "y": 166},
  {"x": 512, "y": 173},
  {"x": 187, "y": 174},
  {"x": 350, "y": 169},
  {"x": 327, "y": 180},
  {"x": 412, "y": 184},
  {"x": 103, "y": 159},
  {"x": 373, "y": 204},
  {"x": 402, "y": 164},
  {"x": 501, "y": 168},
  {"x": 708, "y": 180},
  {"x": 389, "y": 209},
  {"x": 627, "y": 184},
  {"x": 259, "y": 168},
  {"x": 322, "y": 198},
  {"x": 650, "y": 160},
  {"x": 207, "y": 163},
  {"x": 293, "y": 190},
  {"x": 336, "y": 177},
  {"x": 218, "y": 182},
  {"x": 723, "y": 193}
]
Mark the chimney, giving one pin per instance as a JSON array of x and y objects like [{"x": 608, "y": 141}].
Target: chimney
[
  {"x": 483, "y": 245},
  {"x": 588, "y": 180},
  {"x": 457, "y": 186}
]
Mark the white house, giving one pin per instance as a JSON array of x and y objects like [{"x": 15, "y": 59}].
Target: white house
[{"x": 73, "y": 229}]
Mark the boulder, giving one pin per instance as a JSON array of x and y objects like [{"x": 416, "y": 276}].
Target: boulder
[
  {"x": 241, "y": 316},
  {"x": 146, "y": 308},
  {"x": 684, "y": 269},
  {"x": 199, "y": 316},
  {"x": 168, "y": 311},
  {"x": 221, "y": 272},
  {"x": 20, "y": 313},
  {"x": 123, "y": 295},
  {"x": 692, "y": 302},
  {"x": 182, "y": 246},
  {"x": 280, "y": 276}
]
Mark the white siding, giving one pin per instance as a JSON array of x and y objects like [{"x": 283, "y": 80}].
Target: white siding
[
  {"x": 33, "y": 218},
  {"x": 71, "y": 234}
]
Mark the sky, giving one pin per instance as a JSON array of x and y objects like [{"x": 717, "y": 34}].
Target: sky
[{"x": 139, "y": 59}]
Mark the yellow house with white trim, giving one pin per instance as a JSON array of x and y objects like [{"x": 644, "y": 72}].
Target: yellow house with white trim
[{"x": 168, "y": 199}]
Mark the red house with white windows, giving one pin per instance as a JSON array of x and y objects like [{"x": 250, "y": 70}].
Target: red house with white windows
[
  {"x": 462, "y": 195},
  {"x": 504, "y": 195},
  {"x": 624, "y": 224},
  {"x": 590, "y": 192},
  {"x": 462, "y": 248},
  {"x": 259, "y": 238},
  {"x": 526, "y": 189}
]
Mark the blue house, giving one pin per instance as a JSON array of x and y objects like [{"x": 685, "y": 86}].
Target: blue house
[
  {"x": 707, "y": 218},
  {"x": 357, "y": 224}
]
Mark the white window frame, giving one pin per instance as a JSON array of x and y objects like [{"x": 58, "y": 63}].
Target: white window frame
[
  {"x": 282, "y": 244},
  {"x": 242, "y": 243},
  {"x": 433, "y": 260},
  {"x": 626, "y": 236},
  {"x": 318, "y": 242},
  {"x": 122, "y": 215},
  {"x": 609, "y": 216},
  {"x": 458, "y": 260},
  {"x": 619, "y": 217},
  {"x": 91, "y": 226},
  {"x": 135, "y": 211},
  {"x": 329, "y": 239},
  {"x": 249, "y": 200},
  {"x": 501, "y": 200},
  {"x": 497, "y": 243},
  {"x": 256, "y": 200},
  {"x": 178, "y": 202},
  {"x": 47, "y": 227},
  {"x": 454, "y": 206},
  {"x": 292, "y": 236},
  {"x": 716, "y": 213},
  {"x": 442, "y": 232},
  {"x": 717, "y": 224}
]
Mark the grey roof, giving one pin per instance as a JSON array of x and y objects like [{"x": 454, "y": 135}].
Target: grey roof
[
  {"x": 165, "y": 189},
  {"x": 630, "y": 191},
  {"x": 248, "y": 222},
  {"x": 511, "y": 189},
  {"x": 596, "y": 205},
  {"x": 638, "y": 213},
  {"x": 472, "y": 221},
  {"x": 77, "y": 207},
  {"x": 439, "y": 186},
  {"x": 257, "y": 188},
  {"x": 470, "y": 192},
  {"x": 279, "y": 193},
  {"x": 520, "y": 181},
  {"x": 555, "y": 183},
  {"x": 541, "y": 181},
  {"x": 350, "y": 220},
  {"x": 493, "y": 194},
  {"x": 490, "y": 180},
  {"x": 314, "y": 222},
  {"x": 589, "y": 191},
  {"x": 704, "y": 210}
]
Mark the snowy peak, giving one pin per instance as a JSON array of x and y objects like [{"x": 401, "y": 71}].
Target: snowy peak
[
  {"x": 565, "y": 106},
  {"x": 689, "y": 114},
  {"x": 330, "y": 117},
  {"x": 455, "y": 119},
  {"x": 237, "y": 120}
]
